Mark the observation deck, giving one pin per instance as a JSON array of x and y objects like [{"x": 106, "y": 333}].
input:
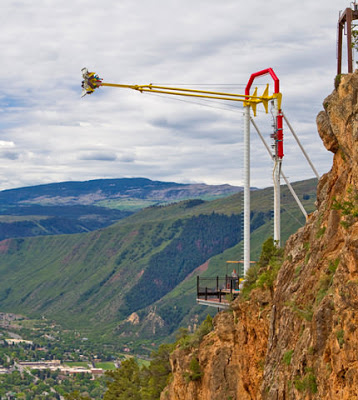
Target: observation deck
[{"x": 217, "y": 291}]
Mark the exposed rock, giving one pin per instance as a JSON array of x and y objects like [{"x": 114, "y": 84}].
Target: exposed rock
[
  {"x": 231, "y": 357},
  {"x": 318, "y": 319},
  {"x": 325, "y": 132},
  {"x": 153, "y": 321},
  {"x": 302, "y": 344},
  {"x": 133, "y": 319}
]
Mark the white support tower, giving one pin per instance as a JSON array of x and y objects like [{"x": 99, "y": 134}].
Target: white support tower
[
  {"x": 298, "y": 201},
  {"x": 277, "y": 202},
  {"x": 92, "y": 82},
  {"x": 246, "y": 188},
  {"x": 276, "y": 174}
]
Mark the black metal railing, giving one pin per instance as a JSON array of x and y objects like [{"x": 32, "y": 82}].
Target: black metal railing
[{"x": 217, "y": 288}]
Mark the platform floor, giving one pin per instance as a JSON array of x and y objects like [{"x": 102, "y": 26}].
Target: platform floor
[{"x": 224, "y": 304}]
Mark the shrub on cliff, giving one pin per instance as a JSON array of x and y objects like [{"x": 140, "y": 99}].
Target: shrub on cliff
[
  {"x": 263, "y": 274},
  {"x": 195, "y": 373},
  {"x": 186, "y": 341},
  {"x": 348, "y": 207}
]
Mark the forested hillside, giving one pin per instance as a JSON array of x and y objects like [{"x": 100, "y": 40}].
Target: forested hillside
[
  {"x": 136, "y": 279},
  {"x": 36, "y": 220},
  {"x": 75, "y": 207}
]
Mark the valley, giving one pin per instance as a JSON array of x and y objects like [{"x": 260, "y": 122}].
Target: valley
[
  {"x": 133, "y": 283},
  {"x": 75, "y": 305},
  {"x": 76, "y": 207},
  {"x": 39, "y": 358}
]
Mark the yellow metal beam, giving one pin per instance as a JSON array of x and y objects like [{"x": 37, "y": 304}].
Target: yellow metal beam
[
  {"x": 253, "y": 100},
  {"x": 248, "y": 100},
  {"x": 265, "y": 98}
]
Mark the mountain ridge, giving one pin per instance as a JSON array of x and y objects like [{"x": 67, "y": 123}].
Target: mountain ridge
[
  {"x": 83, "y": 280},
  {"x": 75, "y": 206},
  {"x": 92, "y": 191}
]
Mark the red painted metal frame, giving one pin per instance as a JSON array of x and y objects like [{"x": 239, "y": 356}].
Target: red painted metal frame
[
  {"x": 345, "y": 19},
  {"x": 261, "y": 73},
  {"x": 279, "y": 118}
]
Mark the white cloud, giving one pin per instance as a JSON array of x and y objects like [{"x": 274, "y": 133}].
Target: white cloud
[
  {"x": 47, "y": 133},
  {"x": 6, "y": 144}
]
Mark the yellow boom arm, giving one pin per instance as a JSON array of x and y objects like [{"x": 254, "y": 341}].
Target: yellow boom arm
[{"x": 92, "y": 82}]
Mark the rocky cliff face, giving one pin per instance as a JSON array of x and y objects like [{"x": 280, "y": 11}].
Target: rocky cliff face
[
  {"x": 231, "y": 357},
  {"x": 299, "y": 341},
  {"x": 315, "y": 302}
]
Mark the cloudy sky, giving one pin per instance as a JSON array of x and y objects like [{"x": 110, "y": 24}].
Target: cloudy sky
[{"x": 49, "y": 134}]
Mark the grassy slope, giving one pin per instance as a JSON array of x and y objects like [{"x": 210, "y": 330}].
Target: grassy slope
[
  {"x": 81, "y": 280},
  {"x": 291, "y": 220}
]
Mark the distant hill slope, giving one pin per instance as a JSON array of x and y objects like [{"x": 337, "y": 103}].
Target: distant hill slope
[
  {"x": 74, "y": 207},
  {"x": 99, "y": 190},
  {"x": 34, "y": 220},
  {"x": 140, "y": 269}
]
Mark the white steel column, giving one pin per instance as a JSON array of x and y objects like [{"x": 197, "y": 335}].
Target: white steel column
[
  {"x": 246, "y": 188},
  {"x": 276, "y": 182},
  {"x": 277, "y": 202},
  {"x": 298, "y": 201}
]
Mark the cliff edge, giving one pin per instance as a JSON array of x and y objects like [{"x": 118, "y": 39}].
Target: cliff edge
[{"x": 298, "y": 340}]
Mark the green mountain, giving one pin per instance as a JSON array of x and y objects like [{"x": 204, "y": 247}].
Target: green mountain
[
  {"x": 74, "y": 207},
  {"x": 36, "y": 220},
  {"x": 134, "y": 282}
]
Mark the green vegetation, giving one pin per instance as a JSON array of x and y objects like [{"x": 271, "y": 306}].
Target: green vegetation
[
  {"x": 264, "y": 272},
  {"x": 89, "y": 283},
  {"x": 201, "y": 237},
  {"x": 77, "y": 363},
  {"x": 337, "y": 81},
  {"x": 354, "y": 37},
  {"x": 186, "y": 340},
  {"x": 297, "y": 272},
  {"x": 340, "y": 337},
  {"x": 74, "y": 207},
  {"x": 17, "y": 383},
  {"x": 47, "y": 341},
  {"x": 147, "y": 382},
  {"x": 195, "y": 372},
  {"x": 326, "y": 280},
  {"x": 37, "y": 220},
  {"x": 49, "y": 385},
  {"x": 128, "y": 204},
  {"x": 287, "y": 357},
  {"x": 92, "y": 282},
  {"x": 307, "y": 383},
  {"x": 321, "y": 232},
  {"x": 305, "y": 312},
  {"x": 307, "y": 246},
  {"x": 125, "y": 382},
  {"x": 136, "y": 204},
  {"x": 139, "y": 378},
  {"x": 348, "y": 208},
  {"x": 105, "y": 365},
  {"x": 131, "y": 381}
]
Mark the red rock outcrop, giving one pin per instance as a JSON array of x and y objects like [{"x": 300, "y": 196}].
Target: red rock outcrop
[
  {"x": 314, "y": 337},
  {"x": 303, "y": 342},
  {"x": 231, "y": 357}
]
